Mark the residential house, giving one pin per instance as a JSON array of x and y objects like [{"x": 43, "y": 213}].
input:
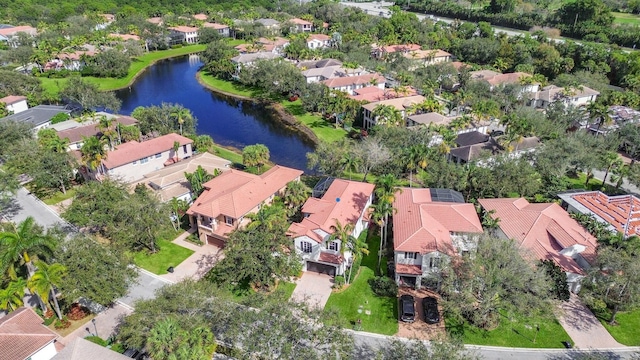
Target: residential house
[
  {"x": 380, "y": 52},
  {"x": 81, "y": 349},
  {"x": 125, "y": 37},
  {"x": 243, "y": 60},
  {"x": 621, "y": 116},
  {"x": 317, "y": 64},
  {"x": 132, "y": 160},
  {"x": 156, "y": 20},
  {"x": 76, "y": 132},
  {"x": 428, "y": 119},
  {"x": 273, "y": 26},
  {"x": 344, "y": 203},
  {"x": 577, "y": 97},
  {"x": 401, "y": 104},
  {"x": 429, "y": 227},
  {"x": 318, "y": 41},
  {"x": 620, "y": 213},
  {"x": 15, "y": 104},
  {"x": 547, "y": 232},
  {"x": 315, "y": 75},
  {"x": 472, "y": 145},
  {"x": 274, "y": 45},
  {"x": 10, "y": 34},
  {"x": 73, "y": 61},
  {"x": 183, "y": 34},
  {"x": 24, "y": 337},
  {"x": 201, "y": 17},
  {"x": 223, "y": 30},
  {"x": 421, "y": 58},
  {"x": 300, "y": 25},
  {"x": 37, "y": 117},
  {"x": 170, "y": 182},
  {"x": 349, "y": 84},
  {"x": 495, "y": 79},
  {"x": 374, "y": 93},
  {"x": 230, "y": 197}
]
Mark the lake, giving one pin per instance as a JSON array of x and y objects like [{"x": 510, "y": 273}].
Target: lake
[{"x": 228, "y": 121}]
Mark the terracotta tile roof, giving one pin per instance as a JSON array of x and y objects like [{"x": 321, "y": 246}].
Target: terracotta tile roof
[
  {"x": 430, "y": 118},
  {"x": 614, "y": 210},
  {"x": 22, "y": 334},
  {"x": 401, "y": 103},
  {"x": 408, "y": 269},
  {"x": 323, "y": 213},
  {"x": 133, "y": 150},
  {"x": 277, "y": 41},
  {"x": 155, "y": 20},
  {"x": 215, "y": 26},
  {"x": 16, "y": 29},
  {"x": 483, "y": 74},
  {"x": 353, "y": 80},
  {"x": 400, "y": 47},
  {"x": 424, "y": 226},
  {"x": 184, "y": 29},
  {"x": 125, "y": 37},
  {"x": 330, "y": 258},
  {"x": 458, "y": 65},
  {"x": 319, "y": 37},
  {"x": 76, "y": 55},
  {"x": 298, "y": 21},
  {"x": 12, "y": 99},
  {"x": 81, "y": 349},
  {"x": 76, "y": 134},
  {"x": 201, "y": 17},
  {"x": 542, "y": 229},
  {"x": 426, "y": 54},
  {"x": 235, "y": 193},
  {"x": 374, "y": 93}
]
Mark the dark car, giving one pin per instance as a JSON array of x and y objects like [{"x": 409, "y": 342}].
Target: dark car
[
  {"x": 134, "y": 354},
  {"x": 407, "y": 308},
  {"x": 430, "y": 307}
]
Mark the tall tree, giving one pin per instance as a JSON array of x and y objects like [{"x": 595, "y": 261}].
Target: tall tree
[
  {"x": 45, "y": 280},
  {"x": 11, "y": 296},
  {"x": 22, "y": 244},
  {"x": 255, "y": 155},
  {"x": 181, "y": 115},
  {"x": 196, "y": 179},
  {"x": 93, "y": 152},
  {"x": 88, "y": 96}
]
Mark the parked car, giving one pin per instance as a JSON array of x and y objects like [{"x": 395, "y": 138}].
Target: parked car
[
  {"x": 407, "y": 308},
  {"x": 430, "y": 307}
]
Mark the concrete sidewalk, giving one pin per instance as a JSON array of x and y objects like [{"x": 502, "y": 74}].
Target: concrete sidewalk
[
  {"x": 106, "y": 323},
  {"x": 583, "y": 327},
  {"x": 196, "y": 265}
]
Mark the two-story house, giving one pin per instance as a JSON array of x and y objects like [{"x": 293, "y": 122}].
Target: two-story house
[
  {"x": 381, "y": 52},
  {"x": 223, "y": 30},
  {"x": 184, "y": 34},
  {"x": 420, "y": 58},
  {"x": 318, "y": 41},
  {"x": 244, "y": 60},
  {"x": 76, "y": 132},
  {"x": 580, "y": 96},
  {"x": 345, "y": 202},
  {"x": 496, "y": 79},
  {"x": 299, "y": 25},
  {"x": 401, "y": 104},
  {"x": 349, "y": 84},
  {"x": 132, "y": 160},
  {"x": 547, "y": 232},
  {"x": 10, "y": 34},
  {"x": 228, "y": 198},
  {"x": 430, "y": 227},
  {"x": 15, "y": 104}
]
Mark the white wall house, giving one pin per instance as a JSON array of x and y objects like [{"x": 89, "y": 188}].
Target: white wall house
[
  {"x": 223, "y": 30},
  {"x": 401, "y": 104},
  {"x": 351, "y": 83},
  {"x": 132, "y": 160},
  {"x": 300, "y": 25},
  {"x": 24, "y": 337},
  {"x": 184, "y": 34},
  {"x": 10, "y": 34},
  {"x": 431, "y": 226},
  {"x": 345, "y": 202},
  {"x": 318, "y": 41},
  {"x": 578, "y": 97},
  {"x": 15, "y": 104}
]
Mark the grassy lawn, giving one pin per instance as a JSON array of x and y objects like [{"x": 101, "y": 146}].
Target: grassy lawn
[
  {"x": 53, "y": 86},
  {"x": 59, "y": 196},
  {"x": 517, "y": 332},
  {"x": 169, "y": 254},
  {"x": 323, "y": 129},
  {"x": 594, "y": 184},
  {"x": 226, "y": 86},
  {"x": 359, "y": 296},
  {"x": 625, "y": 18},
  {"x": 627, "y": 331}
]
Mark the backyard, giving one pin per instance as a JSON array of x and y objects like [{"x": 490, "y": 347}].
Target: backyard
[
  {"x": 324, "y": 130},
  {"x": 358, "y": 302}
]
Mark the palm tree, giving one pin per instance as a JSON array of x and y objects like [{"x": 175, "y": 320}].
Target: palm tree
[
  {"x": 295, "y": 194},
  {"x": 386, "y": 190},
  {"x": 44, "y": 281},
  {"x": 358, "y": 247},
  {"x": 507, "y": 140},
  {"x": 601, "y": 113},
  {"x": 11, "y": 296},
  {"x": 164, "y": 338},
  {"x": 93, "y": 152},
  {"x": 418, "y": 157},
  {"x": 181, "y": 115},
  {"x": 344, "y": 233},
  {"x": 350, "y": 162},
  {"x": 17, "y": 245},
  {"x": 611, "y": 160},
  {"x": 176, "y": 146},
  {"x": 380, "y": 215},
  {"x": 386, "y": 115}
]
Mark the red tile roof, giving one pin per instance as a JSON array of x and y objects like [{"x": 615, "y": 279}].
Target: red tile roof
[
  {"x": 325, "y": 212},
  {"x": 330, "y": 258},
  {"x": 125, "y": 37},
  {"x": 215, "y": 26},
  {"x": 22, "y": 334},
  {"x": 16, "y": 29},
  {"x": 184, "y": 29},
  {"x": 543, "y": 229},
  {"x": 12, "y": 99},
  {"x": 200, "y": 17},
  {"x": 76, "y": 134},
  {"x": 319, "y": 37},
  {"x": 374, "y": 93},
  {"x": 408, "y": 269},
  {"x": 133, "y": 150},
  {"x": 300, "y": 22},
  {"x": 401, "y": 48},
  {"x": 616, "y": 210},
  {"x": 234, "y": 193},
  {"x": 353, "y": 80},
  {"x": 424, "y": 226}
]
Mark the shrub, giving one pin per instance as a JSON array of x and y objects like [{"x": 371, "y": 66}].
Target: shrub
[
  {"x": 193, "y": 238},
  {"x": 97, "y": 340},
  {"x": 559, "y": 287},
  {"x": 383, "y": 286},
  {"x": 59, "y": 118},
  {"x": 62, "y": 324},
  {"x": 117, "y": 347},
  {"x": 49, "y": 321},
  {"x": 77, "y": 312},
  {"x": 338, "y": 281}
]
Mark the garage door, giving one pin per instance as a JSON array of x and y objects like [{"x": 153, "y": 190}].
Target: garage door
[
  {"x": 215, "y": 242},
  {"x": 321, "y": 268}
]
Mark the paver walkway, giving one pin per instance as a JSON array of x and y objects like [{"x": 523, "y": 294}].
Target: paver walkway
[
  {"x": 313, "y": 288},
  {"x": 106, "y": 323},
  {"x": 196, "y": 265},
  {"x": 583, "y": 327}
]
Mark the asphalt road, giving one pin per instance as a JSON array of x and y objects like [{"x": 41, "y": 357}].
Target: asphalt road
[
  {"x": 144, "y": 288},
  {"x": 24, "y": 205}
]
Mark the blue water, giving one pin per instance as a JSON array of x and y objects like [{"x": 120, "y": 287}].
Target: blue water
[{"x": 228, "y": 121}]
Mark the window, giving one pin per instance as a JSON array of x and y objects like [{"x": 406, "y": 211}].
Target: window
[
  {"x": 228, "y": 220},
  {"x": 434, "y": 262},
  {"x": 144, "y": 160},
  {"x": 135, "y": 162},
  {"x": 305, "y": 247},
  {"x": 334, "y": 246},
  {"x": 410, "y": 255},
  {"x": 158, "y": 155}
]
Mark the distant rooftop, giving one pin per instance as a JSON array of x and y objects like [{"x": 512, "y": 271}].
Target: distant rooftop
[{"x": 37, "y": 115}]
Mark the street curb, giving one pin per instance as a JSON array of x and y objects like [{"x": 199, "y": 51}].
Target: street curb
[{"x": 147, "y": 272}]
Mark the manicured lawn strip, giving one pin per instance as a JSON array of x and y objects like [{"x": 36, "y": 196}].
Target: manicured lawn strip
[
  {"x": 625, "y": 18},
  {"x": 53, "y": 86},
  {"x": 594, "y": 184},
  {"x": 383, "y": 318},
  {"x": 59, "y": 196},
  {"x": 227, "y": 154},
  {"x": 286, "y": 288},
  {"x": 170, "y": 254},
  {"x": 627, "y": 332},
  {"x": 519, "y": 332},
  {"x": 324, "y": 130},
  {"x": 225, "y": 86}
]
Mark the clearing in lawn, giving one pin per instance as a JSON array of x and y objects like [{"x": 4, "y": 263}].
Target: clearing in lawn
[{"x": 358, "y": 302}]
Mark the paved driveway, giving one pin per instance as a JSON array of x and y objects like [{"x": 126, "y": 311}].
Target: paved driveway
[
  {"x": 583, "y": 327},
  {"x": 198, "y": 264},
  {"x": 313, "y": 288},
  {"x": 145, "y": 288}
]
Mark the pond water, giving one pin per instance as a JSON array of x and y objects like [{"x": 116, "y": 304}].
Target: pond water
[{"x": 228, "y": 121}]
